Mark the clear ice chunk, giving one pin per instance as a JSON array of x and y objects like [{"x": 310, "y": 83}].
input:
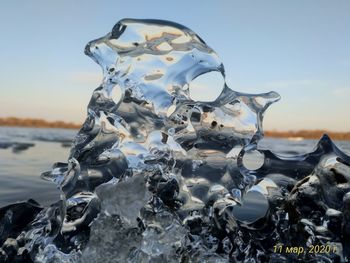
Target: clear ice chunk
[{"x": 161, "y": 170}]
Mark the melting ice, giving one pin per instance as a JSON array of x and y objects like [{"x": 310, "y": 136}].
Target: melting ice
[{"x": 160, "y": 170}]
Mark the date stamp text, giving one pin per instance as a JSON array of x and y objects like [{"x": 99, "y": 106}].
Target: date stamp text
[{"x": 313, "y": 249}]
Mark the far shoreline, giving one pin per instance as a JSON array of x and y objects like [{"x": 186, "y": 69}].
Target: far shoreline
[
  {"x": 293, "y": 135},
  {"x": 37, "y": 123}
]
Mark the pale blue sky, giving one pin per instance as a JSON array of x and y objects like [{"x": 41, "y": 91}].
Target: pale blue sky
[{"x": 300, "y": 49}]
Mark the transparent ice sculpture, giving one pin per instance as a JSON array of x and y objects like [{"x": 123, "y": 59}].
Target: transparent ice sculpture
[{"x": 157, "y": 173}]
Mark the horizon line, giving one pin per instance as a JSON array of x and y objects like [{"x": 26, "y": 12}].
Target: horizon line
[{"x": 42, "y": 123}]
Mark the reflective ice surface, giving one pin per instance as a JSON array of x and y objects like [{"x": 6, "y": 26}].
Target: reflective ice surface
[{"x": 161, "y": 170}]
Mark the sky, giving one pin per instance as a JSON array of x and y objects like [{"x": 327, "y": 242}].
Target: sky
[{"x": 300, "y": 49}]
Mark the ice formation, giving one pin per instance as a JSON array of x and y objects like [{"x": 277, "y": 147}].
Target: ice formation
[{"x": 158, "y": 171}]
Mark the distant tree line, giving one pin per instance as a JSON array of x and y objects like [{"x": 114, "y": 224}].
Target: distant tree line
[
  {"x": 40, "y": 123},
  {"x": 308, "y": 134}
]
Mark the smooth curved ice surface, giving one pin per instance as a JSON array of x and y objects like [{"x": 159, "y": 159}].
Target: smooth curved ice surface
[{"x": 160, "y": 172}]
